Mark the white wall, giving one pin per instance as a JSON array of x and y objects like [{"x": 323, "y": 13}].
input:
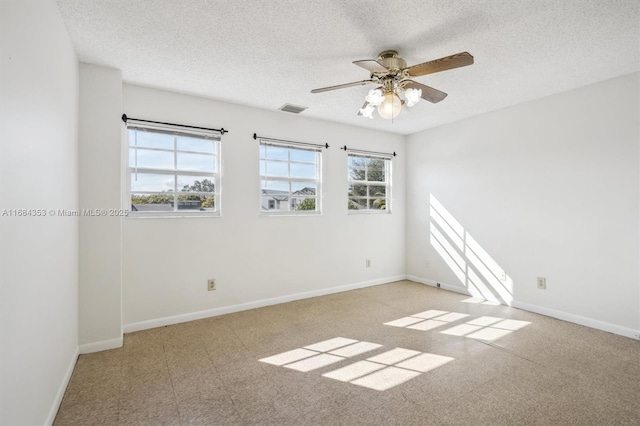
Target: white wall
[
  {"x": 38, "y": 170},
  {"x": 99, "y": 150},
  {"x": 550, "y": 189},
  {"x": 166, "y": 262}
]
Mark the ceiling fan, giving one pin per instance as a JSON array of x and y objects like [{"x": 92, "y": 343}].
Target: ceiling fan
[{"x": 394, "y": 77}]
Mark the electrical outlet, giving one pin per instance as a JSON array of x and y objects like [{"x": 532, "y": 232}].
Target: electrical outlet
[
  {"x": 542, "y": 283},
  {"x": 367, "y": 263},
  {"x": 427, "y": 264},
  {"x": 503, "y": 276},
  {"x": 211, "y": 284},
  {"x": 438, "y": 285}
]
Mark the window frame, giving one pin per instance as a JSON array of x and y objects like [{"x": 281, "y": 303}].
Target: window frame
[
  {"x": 176, "y": 131},
  {"x": 317, "y": 181},
  {"x": 387, "y": 184}
]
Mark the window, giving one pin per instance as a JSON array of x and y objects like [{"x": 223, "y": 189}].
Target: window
[
  {"x": 172, "y": 171},
  {"x": 369, "y": 183},
  {"x": 290, "y": 178}
]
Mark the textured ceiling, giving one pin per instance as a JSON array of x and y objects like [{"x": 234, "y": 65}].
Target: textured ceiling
[{"x": 267, "y": 53}]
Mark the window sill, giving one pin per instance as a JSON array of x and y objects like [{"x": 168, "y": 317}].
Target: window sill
[
  {"x": 173, "y": 215},
  {"x": 290, "y": 214},
  {"x": 375, "y": 212}
]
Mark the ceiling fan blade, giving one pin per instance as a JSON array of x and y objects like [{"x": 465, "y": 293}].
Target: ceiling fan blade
[
  {"x": 448, "y": 62},
  {"x": 342, "y": 86},
  {"x": 371, "y": 65},
  {"x": 428, "y": 93}
]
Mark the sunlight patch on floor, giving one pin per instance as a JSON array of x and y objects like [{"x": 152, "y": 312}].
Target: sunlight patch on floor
[
  {"x": 481, "y": 328},
  {"x": 486, "y": 328},
  {"x": 480, "y": 301},
  {"x": 389, "y": 369},
  {"x": 379, "y": 372},
  {"x": 320, "y": 354},
  {"x": 427, "y": 320}
]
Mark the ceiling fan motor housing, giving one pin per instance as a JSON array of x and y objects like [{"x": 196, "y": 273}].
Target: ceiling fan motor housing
[{"x": 389, "y": 59}]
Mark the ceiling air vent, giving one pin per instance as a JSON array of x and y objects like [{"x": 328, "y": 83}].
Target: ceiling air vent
[{"x": 294, "y": 109}]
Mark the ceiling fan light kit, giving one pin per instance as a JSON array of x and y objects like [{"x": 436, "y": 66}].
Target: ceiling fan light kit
[
  {"x": 412, "y": 96},
  {"x": 389, "y": 103},
  {"x": 390, "y": 107},
  {"x": 397, "y": 88}
]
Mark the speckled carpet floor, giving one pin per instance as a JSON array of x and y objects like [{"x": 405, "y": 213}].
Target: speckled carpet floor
[{"x": 395, "y": 354}]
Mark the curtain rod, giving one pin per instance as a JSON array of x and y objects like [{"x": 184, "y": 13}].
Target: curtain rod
[
  {"x": 222, "y": 130},
  {"x": 326, "y": 145},
  {"x": 368, "y": 152}
]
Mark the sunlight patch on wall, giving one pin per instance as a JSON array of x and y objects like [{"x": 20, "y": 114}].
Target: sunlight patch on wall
[{"x": 476, "y": 270}]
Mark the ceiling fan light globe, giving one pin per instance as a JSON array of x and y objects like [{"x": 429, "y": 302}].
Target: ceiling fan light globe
[
  {"x": 390, "y": 107},
  {"x": 412, "y": 96},
  {"x": 375, "y": 97}
]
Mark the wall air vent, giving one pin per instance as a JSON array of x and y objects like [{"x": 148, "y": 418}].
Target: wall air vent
[{"x": 294, "y": 109}]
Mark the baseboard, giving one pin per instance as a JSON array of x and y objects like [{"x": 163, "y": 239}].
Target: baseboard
[
  {"x": 63, "y": 387},
  {"x": 102, "y": 345},
  {"x": 445, "y": 286},
  {"x": 577, "y": 319},
  {"x": 176, "y": 319}
]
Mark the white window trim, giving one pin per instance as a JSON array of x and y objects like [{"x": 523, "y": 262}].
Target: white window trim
[
  {"x": 318, "y": 181},
  {"x": 387, "y": 184},
  {"x": 128, "y": 171}
]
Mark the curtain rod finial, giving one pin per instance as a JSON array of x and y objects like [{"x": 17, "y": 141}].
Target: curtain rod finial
[{"x": 124, "y": 117}]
